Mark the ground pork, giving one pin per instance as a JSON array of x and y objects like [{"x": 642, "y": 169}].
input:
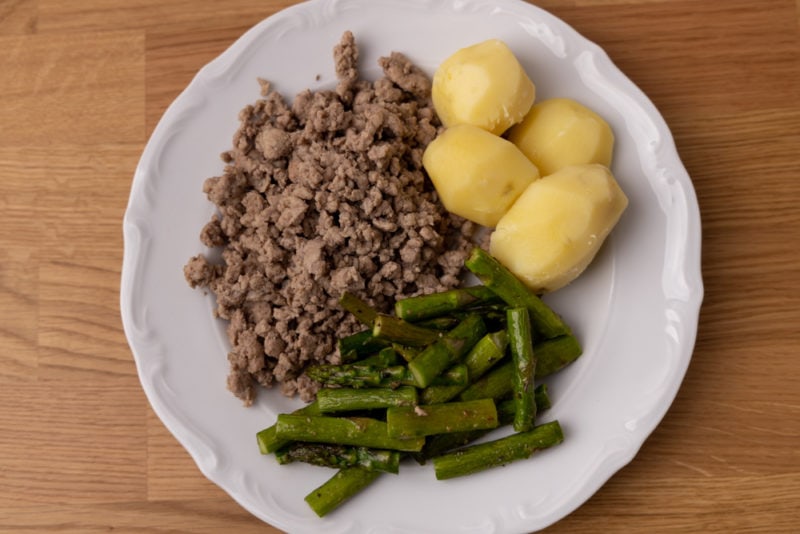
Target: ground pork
[{"x": 318, "y": 197}]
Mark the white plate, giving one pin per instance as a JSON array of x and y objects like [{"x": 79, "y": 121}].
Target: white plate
[{"x": 635, "y": 309}]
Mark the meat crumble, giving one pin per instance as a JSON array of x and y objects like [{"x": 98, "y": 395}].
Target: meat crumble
[{"x": 318, "y": 197}]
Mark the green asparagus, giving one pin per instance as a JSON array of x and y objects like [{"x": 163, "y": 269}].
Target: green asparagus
[
  {"x": 496, "y": 384},
  {"x": 442, "y": 443},
  {"x": 360, "y": 309},
  {"x": 339, "y": 456},
  {"x": 437, "y": 304},
  {"x": 409, "y": 422},
  {"x": 357, "y": 375},
  {"x": 445, "y": 322},
  {"x": 498, "y": 452},
  {"x": 358, "y": 345},
  {"x": 436, "y": 394},
  {"x": 339, "y": 488},
  {"x": 396, "y": 330},
  {"x": 386, "y": 357},
  {"x": 501, "y": 281},
  {"x": 486, "y": 352},
  {"x": 554, "y": 354},
  {"x": 447, "y": 350},
  {"x": 357, "y": 431},
  {"x": 406, "y": 352},
  {"x": 551, "y": 356},
  {"x": 524, "y": 361},
  {"x": 411, "y": 367},
  {"x": 351, "y": 399},
  {"x": 268, "y": 440}
]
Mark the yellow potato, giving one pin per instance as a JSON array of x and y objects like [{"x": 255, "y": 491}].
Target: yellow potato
[
  {"x": 555, "y": 228},
  {"x": 560, "y": 132},
  {"x": 483, "y": 85},
  {"x": 477, "y": 174}
]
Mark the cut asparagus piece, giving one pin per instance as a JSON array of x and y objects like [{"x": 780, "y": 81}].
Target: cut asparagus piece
[
  {"x": 360, "y": 309},
  {"x": 496, "y": 384},
  {"x": 339, "y": 488},
  {"x": 396, "y": 330},
  {"x": 268, "y": 440},
  {"x": 417, "y": 421},
  {"x": 486, "y": 352},
  {"x": 406, "y": 352},
  {"x": 350, "y": 399},
  {"x": 445, "y": 322},
  {"x": 554, "y": 354},
  {"x": 500, "y": 280},
  {"x": 524, "y": 362},
  {"x": 457, "y": 375},
  {"x": 358, "y": 375},
  {"x": 356, "y": 431},
  {"x": 386, "y": 357},
  {"x": 498, "y": 452},
  {"x": 437, "y": 394},
  {"x": 339, "y": 456},
  {"x": 415, "y": 309},
  {"x": 447, "y": 351},
  {"x": 442, "y": 443},
  {"x": 358, "y": 345},
  {"x": 551, "y": 356}
]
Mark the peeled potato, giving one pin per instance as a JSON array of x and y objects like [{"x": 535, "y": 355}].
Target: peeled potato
[
  {"x": 478, "y": 175},
  {"x": 560, "y": 132},
  {"x": 555, "y": 228},
  {"x": 483, "y": 85}
]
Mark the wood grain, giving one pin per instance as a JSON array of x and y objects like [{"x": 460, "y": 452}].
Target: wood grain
[{"x": 83, "y": 84}]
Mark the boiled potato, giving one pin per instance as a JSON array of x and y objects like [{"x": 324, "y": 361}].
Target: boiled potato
[
  {"x": 483, "y": 85},
  {"x": 560, "y": 132},
  {"x": 477, "y": 174},
  {"x": 555, "y": 228}
]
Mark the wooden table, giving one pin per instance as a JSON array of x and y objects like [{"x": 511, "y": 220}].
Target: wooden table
[{"x": 83, "y": 83}]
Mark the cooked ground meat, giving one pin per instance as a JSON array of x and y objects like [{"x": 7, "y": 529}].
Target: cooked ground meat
[{"x": 319, "y": 197}]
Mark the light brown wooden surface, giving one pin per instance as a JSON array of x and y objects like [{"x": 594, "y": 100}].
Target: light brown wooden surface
[{"x": 82, "y": 85}]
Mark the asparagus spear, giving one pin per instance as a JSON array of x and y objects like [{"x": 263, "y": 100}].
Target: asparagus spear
[
  {"x": 339, "y": 488},
  {"x": 524, "y": 362},
  {"x": 457, "y": 375},
  {"x": 447, "y": 350},
  {"x": 551, "y": 356},
  {"x": 409, "y": 422},
  {"x": 396, "y": 330},
  {"x": 360, "y": 309},
  {"x": 381, "y": 369},
  {"x": 406, "y": 352},
  {"x": 486, "y": 352},
  {"x": 358, "y": 345},
  {"x": 354, "y": 375},
  {"x": 358, "y": 375},
  {"x": 437, "y": 304},
  {"x": 386, "y": 357},
  {"x": 554, "y": 354},
  {"x": 268, "y": 440},
  {"x": 339, "y": 456},
  {"x": 500, "y": 280},
  {"x": 357, "y": 431},
  {"x": 441, "y": 443},
  {"x": 445, "y": 322},
  {"x": 498, "y": 452},
  {"x": 496, "y": 384},
  {"x": 350, "y": 399}
]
